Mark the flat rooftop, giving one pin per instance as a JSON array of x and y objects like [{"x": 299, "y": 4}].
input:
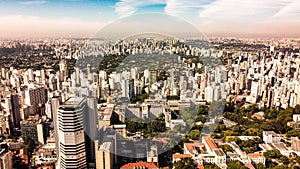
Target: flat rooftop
[
  {"x": 105, "y": 146},
  {"x": 74, "y": 101},
  {"x": 219, "y": 152}
]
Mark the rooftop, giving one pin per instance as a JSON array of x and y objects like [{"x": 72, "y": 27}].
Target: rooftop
[
  {"x": 210, "y": 142},
  {"x": 179, "y": 156},
  {"x": 200, "y": 166},
  {"x": 191, "y": 147},
  {"x": 140, "y": 164},
  {"x": 219, "y": 152},
  {"x": 271, "y": 133},
  {"x": 74, "y": 101},
  {"x": 255, "y": 155},
  {"x": 105, "y": 146},
  {"x": 249, "y": 165}
]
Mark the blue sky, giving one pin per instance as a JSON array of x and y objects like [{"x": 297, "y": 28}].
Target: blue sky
[{"x": 84, "y": 17}]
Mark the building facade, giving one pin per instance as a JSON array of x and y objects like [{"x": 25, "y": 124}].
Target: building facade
[{"x": 71, "y": 134}]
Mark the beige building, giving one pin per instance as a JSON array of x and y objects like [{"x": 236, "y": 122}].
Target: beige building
[
  {"x": 104, "y": 157},
  {"x": 5, "y": 159},
  {"x": 296, "y": 144}
]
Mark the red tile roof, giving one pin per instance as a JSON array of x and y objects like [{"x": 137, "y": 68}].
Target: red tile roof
[
  {"x": 210, "y": 142},
  {"x": 190, "y": 147},
  {"x": 140, "y": 164},
  {"x": 200, "y": 166},
  {"x": 255, "y": 155},
  {"x": 176, "y": 156},
  {"x": 248, "y": 165}
]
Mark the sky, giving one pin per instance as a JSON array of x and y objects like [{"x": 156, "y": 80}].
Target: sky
[{"x": 82, "y": 18}]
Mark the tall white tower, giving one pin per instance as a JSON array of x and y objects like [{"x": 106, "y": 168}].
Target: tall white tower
[{"x": 71, "y": 135}]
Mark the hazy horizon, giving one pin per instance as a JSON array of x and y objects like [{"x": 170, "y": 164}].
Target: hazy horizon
[{"x": 78, "y": 18}]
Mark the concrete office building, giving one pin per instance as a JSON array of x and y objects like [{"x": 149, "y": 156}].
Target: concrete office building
[{"x": 71, "y": 134}]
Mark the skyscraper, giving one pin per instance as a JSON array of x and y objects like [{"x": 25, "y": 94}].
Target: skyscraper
[
  {"x": 16, "y": 109},
  {"x": 71, "y": 134},
  {"x": 54, "y": 109},
  {"x": 36, "y": 97}
]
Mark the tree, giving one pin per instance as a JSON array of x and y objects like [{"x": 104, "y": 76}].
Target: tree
[
  {"x": 252, "y": 132},
  {"x": 194, "y": 135},
  {"x": 297, "y": 109},
  {"x": 284, "y": 160},
  {"x": 226, "y": 148},
  {"x": 232, "y": 139},
  {"x": 202, "y": 110},
  {"x": 185, "y": 163},
  {"x": 211, "y": 166},
  {"x": 272, "y": 154},
  {"x": 236, "y": 165},
  {"x": 260, "y": 166},
  {"x": 280, "y": 167},
  {"x": 180, "y": 128},
  {"x": 293, "y": 133},
  {"x": 156, "y": 126},
  {"x": 200, "y": 118}
]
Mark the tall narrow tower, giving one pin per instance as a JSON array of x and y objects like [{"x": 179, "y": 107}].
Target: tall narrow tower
[{"x": 71, "y": 134}]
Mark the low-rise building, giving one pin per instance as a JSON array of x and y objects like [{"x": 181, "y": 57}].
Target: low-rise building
[
  {"x": 295, "y": 144},
  {"x": 257, "y": 158},
  {"x": 271, "y": 137},
  {"x": 206, "y": 152}
]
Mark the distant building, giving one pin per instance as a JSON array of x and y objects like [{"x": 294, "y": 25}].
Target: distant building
[
  {"x": 209, "y": 94},
  {"x": 205, "y": 152},
  {"x": 6, "y": 159},
  {"x": 152, "y": 76},
  {"x": 152, "y": 155},
  {"x": 34, "y": 128},
  {"x": 295, "y": 144},
  {"x": 271, "y": 137},
  {"x": 257, "y": 158},
  {"x": 4, "y": 122},
  {"x": 16, "y": 109},
  {"x": 36, "y": 97}
]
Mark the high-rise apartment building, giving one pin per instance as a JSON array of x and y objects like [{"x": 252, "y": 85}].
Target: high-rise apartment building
[
  {"x": 104, "y": 157},
  {"x": 36, "y": 98},
  {"x": 16, "y": 109}
]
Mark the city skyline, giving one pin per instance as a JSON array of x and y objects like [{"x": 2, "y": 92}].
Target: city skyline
[{"x": 76, "y": 18}]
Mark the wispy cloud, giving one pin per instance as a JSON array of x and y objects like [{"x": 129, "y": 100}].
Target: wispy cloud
[
  {"x": 128, "y": 7},
  {"x": 180, "y": 7},
  {"x": 247, "y": 10},
  {"x": 251, "y": 17},
  {"x": 36, "y": 2},
  {"x": 290, "y": 11},
  {"x": 173, "y": 7}
]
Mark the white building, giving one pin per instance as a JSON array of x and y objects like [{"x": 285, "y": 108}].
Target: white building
[
  {"x": 257, "y": 158},
  {"x": 271, "y": 137},
  {"x": 71, "y": 137}
]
